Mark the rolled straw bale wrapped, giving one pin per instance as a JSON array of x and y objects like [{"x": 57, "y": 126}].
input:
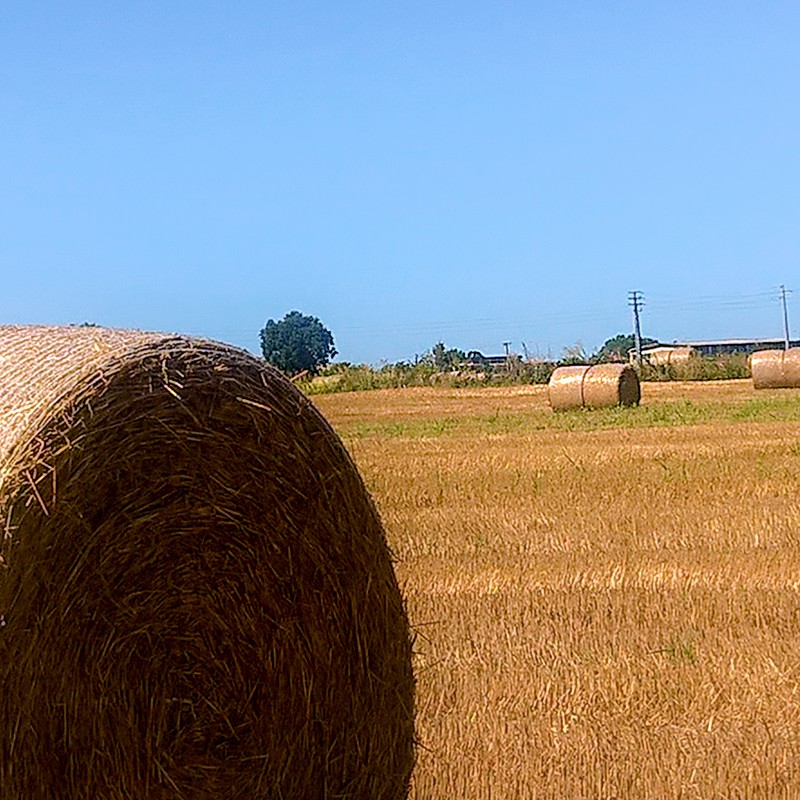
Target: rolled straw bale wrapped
[
  {"x": 776, "y": 369},
  {"x": 598, "y": 386},
  {"x": 196, "y": 594}
]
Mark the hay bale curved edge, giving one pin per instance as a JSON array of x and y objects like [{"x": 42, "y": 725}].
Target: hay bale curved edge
[
  {"x": 776, "y": 369},
  {"x": 197, "y": 598},
  {"x": 766, "y": 368},
  {"x": 565, "y": 388}
]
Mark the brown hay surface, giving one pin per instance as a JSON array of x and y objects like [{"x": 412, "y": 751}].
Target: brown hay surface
[
  {"x": 791, "y": 368},
  {"x": 609, "y": 385},
  {"x": 766, "y": 367},
  {"x": 565, "y": 389},
  {"x": 776, "y": 369},
  {"x": 197, "y": 598},
  {"x": 598, "y": 386}
]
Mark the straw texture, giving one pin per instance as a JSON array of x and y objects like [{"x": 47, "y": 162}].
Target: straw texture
[
  {"x": 598, "y": 386},
  {"x": 565, "y": 389},
  {"x": 197, "y": 599},
  {"x": 776, "y": 369}
]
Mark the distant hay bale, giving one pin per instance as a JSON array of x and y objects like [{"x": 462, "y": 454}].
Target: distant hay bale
[
  {"x": 766, "y": 367},
  {"x": 668, "y": 356},
  {"x": 680, "y": 355},
  {"x": 776, "y": 369},
  {"x": 791, "y": 368},
  {"x": 196, "y": 596},
  {"x": 598, "y": 386}
]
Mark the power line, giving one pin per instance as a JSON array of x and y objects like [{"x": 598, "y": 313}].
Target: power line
[{"x": 549, "y": 317}]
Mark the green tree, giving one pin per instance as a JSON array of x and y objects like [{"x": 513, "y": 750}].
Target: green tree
[
  {"x": 617, "y": 347},
  {"x": 297, "y": 343},
  {"x": 444, "y": 359}
]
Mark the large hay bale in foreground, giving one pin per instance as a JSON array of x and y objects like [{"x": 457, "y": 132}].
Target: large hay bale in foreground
[
  {"x": 776, "y": 369},
  {"x": 196, "y": 594},
  {"x": 598, "y": 386}
]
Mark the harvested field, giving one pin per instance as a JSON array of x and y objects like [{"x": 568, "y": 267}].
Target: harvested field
[{"x": 607, "y": 604}]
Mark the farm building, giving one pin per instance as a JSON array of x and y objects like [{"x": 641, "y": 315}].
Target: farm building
[
  {"x": 676, "y": 352},
  {"x": 477, "y": 359}
]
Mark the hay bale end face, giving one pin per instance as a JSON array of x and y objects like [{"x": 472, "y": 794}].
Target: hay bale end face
[
  {"x": 776, "y": 369},
  {"x": 598, "y": 386},
  {"x": 196, "y": 594}
]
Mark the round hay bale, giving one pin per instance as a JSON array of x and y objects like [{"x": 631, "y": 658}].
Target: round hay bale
[
  {"x": 666, "y": 355},
  {"x": 565, "y": 388},
  {"x": 598, "y": 386},
  {"x": 791, "y": 368},
  {"x": 766, "y": 367},
  {"x": 680, "y": 355},
  {"x": 607, "y": 385},
  {"x": 776, "y": 369},
  {"x": 196, "y": 596}
]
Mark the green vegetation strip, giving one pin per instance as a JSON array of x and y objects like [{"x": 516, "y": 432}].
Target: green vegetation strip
[{"x": 667, "y": 414}]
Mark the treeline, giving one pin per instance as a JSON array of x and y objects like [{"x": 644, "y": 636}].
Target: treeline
[
  {"x": 358, "y": 377},
  {"x": 699, "y": 368},
  {"x": 302, "y": 347},
  {"x": 346, "y": 377}
]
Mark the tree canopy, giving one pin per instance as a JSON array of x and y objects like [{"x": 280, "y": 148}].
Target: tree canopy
[
  {"x": 444, "y": 358},
  {"x": 297, "y": 343},
  {"x": 617, "y": 347}
]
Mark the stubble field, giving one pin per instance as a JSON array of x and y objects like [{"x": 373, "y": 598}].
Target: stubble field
[{"x": 606, "y": 604}]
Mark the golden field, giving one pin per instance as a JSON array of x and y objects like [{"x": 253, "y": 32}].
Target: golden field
[{"x": 606, "y": 604}]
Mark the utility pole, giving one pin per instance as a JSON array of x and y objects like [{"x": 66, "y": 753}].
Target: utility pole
[
  {"x": 636, "y": 301},
  {"x": 784, "y": 292},
  {"x": 508, "y": 355}
]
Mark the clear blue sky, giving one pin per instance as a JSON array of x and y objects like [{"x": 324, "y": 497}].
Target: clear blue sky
[{"x": 473, "y": 172}]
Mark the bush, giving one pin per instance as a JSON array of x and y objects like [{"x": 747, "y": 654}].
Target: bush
[
  {"x": 699, "y": 368},
  {"x": 347, "y": 377},
  {"x": 361, "y": 377}
]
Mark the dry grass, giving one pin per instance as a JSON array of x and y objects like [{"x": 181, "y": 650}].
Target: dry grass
[{"x": 601, "y": 612}]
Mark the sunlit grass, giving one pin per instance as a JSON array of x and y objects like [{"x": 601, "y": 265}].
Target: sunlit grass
[{"x": 667, "y": 414}]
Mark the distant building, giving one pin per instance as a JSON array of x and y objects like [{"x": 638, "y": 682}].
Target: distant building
[
  {"x": 677, "y": 352},
  {"x": 478, "y": 359}
]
